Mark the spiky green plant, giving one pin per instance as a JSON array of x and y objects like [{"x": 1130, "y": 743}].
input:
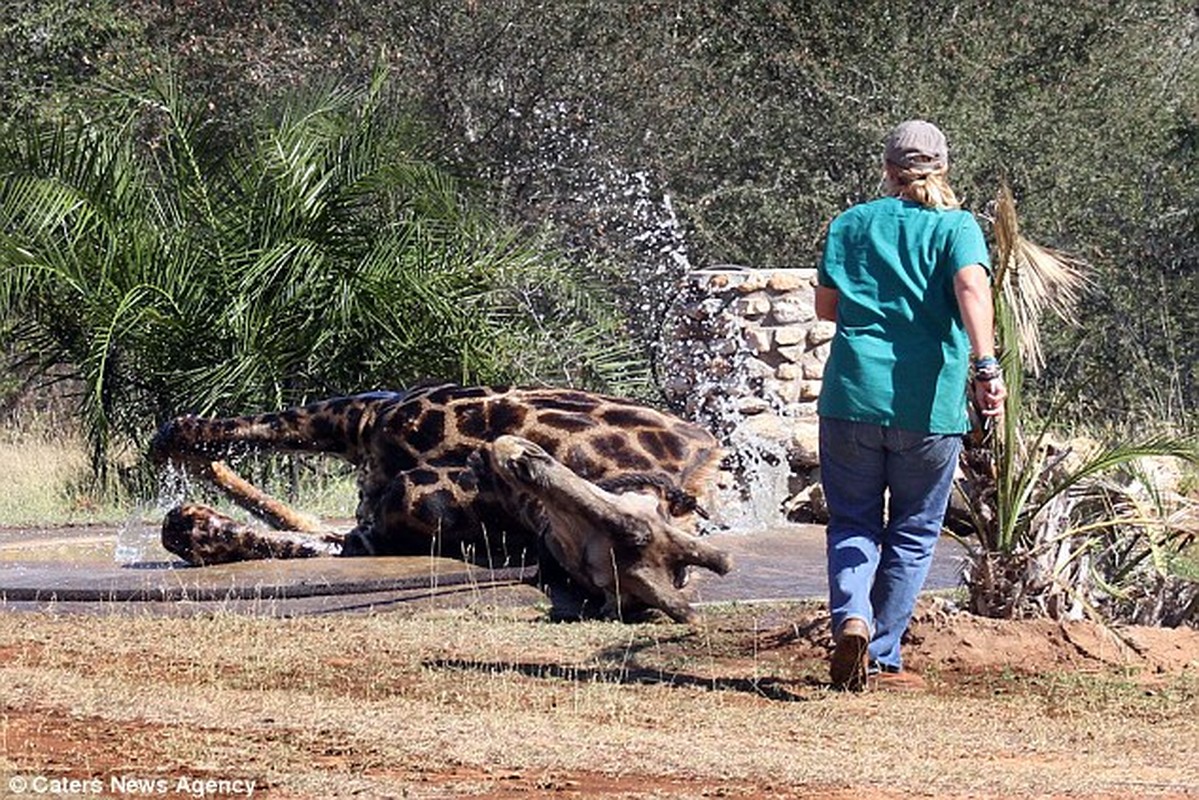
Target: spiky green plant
[
  {"x": 1057, "y": 532},
  {"x": 177, "y": 266}
]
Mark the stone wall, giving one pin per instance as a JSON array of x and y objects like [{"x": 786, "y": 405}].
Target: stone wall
[{"x": 744, "y": 354}]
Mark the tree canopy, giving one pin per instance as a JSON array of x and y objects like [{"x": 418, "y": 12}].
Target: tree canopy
[{"x": 657, "y": 135}]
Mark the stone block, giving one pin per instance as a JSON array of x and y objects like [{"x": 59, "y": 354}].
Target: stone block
[
  {"x": 751, "y": 406},
  {"x": 813, "y": 365},
  {"x": 789, "y": 372},
  {"x": 792, "y": 308},
  {"x": 758, "y": 340},
  {"x": 770, "y": 427},
  {"x": 821, "y": 332},
  {"x": 753, "y": 282},
  {"x": 804, "y": 408},
  {"x": 757, "y": 368},
  {"x": 790, "y": 334},
  {"x": 793, "y": 352},
  {"x": 810, "y": 391},
  {"x": 718, "y": 281},
  {"x": 786, "y": 392},
  {"x": 786, "y": 281},
  {"x": 755, "y": 305},
  {"x": 804, "y": 445},
  {"x": 808, "y": 505}
]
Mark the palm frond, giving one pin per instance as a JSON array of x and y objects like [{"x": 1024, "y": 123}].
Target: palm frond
[
  {"x": 177, "y": 267},
  {"x": 1033, "y": 279}
]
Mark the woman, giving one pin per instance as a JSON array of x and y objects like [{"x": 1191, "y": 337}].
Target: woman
[{"x": 906, "y": 279}]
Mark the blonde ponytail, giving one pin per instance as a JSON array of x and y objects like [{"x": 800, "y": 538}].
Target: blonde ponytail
[{"x": 930, "y": 189}]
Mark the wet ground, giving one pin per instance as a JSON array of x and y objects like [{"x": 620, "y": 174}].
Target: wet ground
[{"x": 95, "y": 569}]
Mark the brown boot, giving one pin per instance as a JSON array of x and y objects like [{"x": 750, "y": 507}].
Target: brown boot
[{"x": 847, "y": 666}]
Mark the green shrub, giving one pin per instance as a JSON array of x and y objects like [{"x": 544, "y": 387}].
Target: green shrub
[{"x": 179, "y": 265}]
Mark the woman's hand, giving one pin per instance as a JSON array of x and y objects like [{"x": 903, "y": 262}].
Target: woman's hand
[
  {"x": 989, "y": 396},
  {"x": 988, "y": 387}
]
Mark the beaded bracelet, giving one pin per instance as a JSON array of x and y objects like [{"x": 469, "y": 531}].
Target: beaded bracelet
[{"x": 987, "y": 369}]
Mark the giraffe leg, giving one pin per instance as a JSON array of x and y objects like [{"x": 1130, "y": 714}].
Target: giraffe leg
[
  {"x": 271, "y": 510},
  {"x": 202, "y": 536}
]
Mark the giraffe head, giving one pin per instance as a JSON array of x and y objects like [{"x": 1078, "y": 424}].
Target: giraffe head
[{"x": 625, "y": 546}]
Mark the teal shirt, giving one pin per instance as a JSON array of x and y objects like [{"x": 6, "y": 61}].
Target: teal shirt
[{"x": 900, "y": 355}]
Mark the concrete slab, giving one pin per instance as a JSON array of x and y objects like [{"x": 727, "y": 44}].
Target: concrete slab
[
  {"x": 73, "y": 570},
  {"x": 787, "y": 562}
]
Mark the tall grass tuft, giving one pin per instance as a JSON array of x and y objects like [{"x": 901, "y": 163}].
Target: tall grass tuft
[{"x": 45, "y": 476}]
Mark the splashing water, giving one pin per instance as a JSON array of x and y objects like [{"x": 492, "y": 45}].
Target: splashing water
[
  {"x": 761, "y": 482},
  {"x": 722, "y": 367},
  {"x": 625, "y": 211},
  {"x": 758, "y": 469},
  {"x": 139, "y": 541},
  {"x": 703, "y": 366}
]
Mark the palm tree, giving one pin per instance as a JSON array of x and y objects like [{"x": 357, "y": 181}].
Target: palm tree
[
  {"x": 1061, "y": 533},
  {"x": 177, "y": 266}
]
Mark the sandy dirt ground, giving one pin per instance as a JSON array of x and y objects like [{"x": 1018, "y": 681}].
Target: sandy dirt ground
[{"x": 498, "y": 703}]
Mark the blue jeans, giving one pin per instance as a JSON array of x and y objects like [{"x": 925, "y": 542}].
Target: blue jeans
[{"x": 877, "y": 564}]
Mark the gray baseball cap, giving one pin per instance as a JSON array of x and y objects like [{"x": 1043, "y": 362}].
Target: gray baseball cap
[{"x": 917, "y": 145}]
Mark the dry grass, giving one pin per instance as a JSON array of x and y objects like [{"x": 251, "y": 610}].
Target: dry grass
[
  {"x": 44, "y": 478},
  {"x": 500, "y": 703}
]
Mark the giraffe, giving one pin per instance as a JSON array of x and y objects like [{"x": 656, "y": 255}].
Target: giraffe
[{"x": 603, "y": 492}]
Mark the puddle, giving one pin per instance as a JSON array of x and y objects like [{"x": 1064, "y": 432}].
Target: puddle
[{"x": 80, "y": 565}]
